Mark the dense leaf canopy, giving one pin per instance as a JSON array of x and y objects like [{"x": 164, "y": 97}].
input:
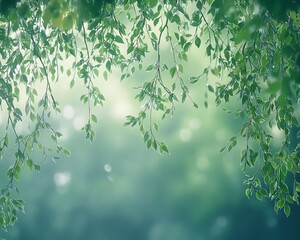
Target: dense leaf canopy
[{"x": 253, "y": 52}]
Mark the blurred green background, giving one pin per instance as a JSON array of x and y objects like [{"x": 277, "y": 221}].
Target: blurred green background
[{"x": 115, "y": 189}]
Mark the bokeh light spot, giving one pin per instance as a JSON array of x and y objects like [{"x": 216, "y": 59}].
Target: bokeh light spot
[
  {"x": 194, "y": 123},
  {"x": 78, "y": 123},
  {"x": 121, "y": 109},
  {"x": 68, "y": 112},
  {"x": 62, "y": 178},
  {"x": 185, "y": 135},
  {"x": 107, "y": 168}
]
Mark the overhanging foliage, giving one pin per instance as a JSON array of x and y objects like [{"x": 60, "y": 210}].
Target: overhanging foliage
[{"x": 255, "y": 45}]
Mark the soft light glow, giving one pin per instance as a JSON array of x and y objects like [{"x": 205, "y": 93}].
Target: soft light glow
[
  {"x": 221, "y": 136},
  {"x": 110, "y": 178},
  {"x": 68, "y": 112},
  {"x": 107, "y": 168},
  {"x": 64, "y": 132},
  {"x": 62, "y": 178},
  {"x": 221, "y": 222},
  {"x": 219, "y": 226},
  {"x": 185, "y": 135},
  {"x": 202, "y": 163},
  {"x": 194, "y": 123},
  {"x": 22, "y": 126},
  {"x": 78, "y": 123},
  {"x": 272, "y": 222},
  {"x": 277, "y": 132},
  {"x": 121, "y": 109}
]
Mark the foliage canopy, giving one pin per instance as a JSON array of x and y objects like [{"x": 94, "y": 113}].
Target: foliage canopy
[{"x": 253, "y": 49}]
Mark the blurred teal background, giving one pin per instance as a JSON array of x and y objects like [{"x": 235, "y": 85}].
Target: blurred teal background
[{"x": 114, "y": 189}]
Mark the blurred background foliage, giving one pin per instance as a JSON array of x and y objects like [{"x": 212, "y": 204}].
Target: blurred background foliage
[{"x": 115, "y": 189}]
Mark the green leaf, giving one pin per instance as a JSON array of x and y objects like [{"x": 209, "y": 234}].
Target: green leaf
[
  {"x": 280, "y": 203},
  {"x": 58, "y": 134},
  {"x": 210, "y": 88},
  {"x": 187, "y": 46},
  {"x": 154, "y": 145},
  {"x": 105, "y": 75},
  {"x": 149, "y": 143},
  {"x": 247, "y": 192},
  {"x": 183, "y": 97},
  {"x": 194, "y": 79},
  {"x": 208, "y": 50},
  {"x": 96, "y": 71},
  {"x": 287, "y": 210},
  {"x": 153, "y": 3},
  {"x": 94, "y": 118},
  {"x": 242, "y": 35},
  {"x": 197, "y": 41},
  {"x": 67, "y": 152},
  {"x": 108, "y": 66},
  {"x": 163, "y": 148},
  {"x": 199, "y": 5},
  {"x": 146, "y": 136},
  {"x": 118, "y": 39},
  {"x": 155, "y": 126},
  {"x": 173, "y": 2},
  {"x": 298, "y": 187},
  {"x": 259, "y": 195},
  {"x": 29, "y": 163},
  {"x": 130, "y": 49},
  {"x": 149, "y": 68},
  {"x": 176, "y": 19},
  {"x": 37, "y": 167},
  {"x": 180, "y": 68},
  {"x": 173, "y": 70},
  {"x": 72, "y": 83},
  {"x": 205, "y": 104}
]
